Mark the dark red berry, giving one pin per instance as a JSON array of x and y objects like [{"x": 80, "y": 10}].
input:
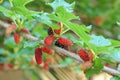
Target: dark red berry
[
  {"x": 25, "y": 30},
  {"x": 49, "y": 40},
  {"x": 9, "y": 21},
  {"x": 47, "y": 50},
  {"x": 84, "y": 55},
  {"x": 16, "y": 38},
  {"x": 61, "y": 46},
  {"x": 38, "y": 55},
  {"x": 57, "y": 31},
  {"x": 65, "y": 42},
  {"x": 50, "y": 31}
]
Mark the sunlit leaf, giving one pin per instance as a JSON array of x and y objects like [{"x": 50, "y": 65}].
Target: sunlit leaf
[
  {"x": 56, "y": 3},
  {"x": 99, "y": 41}
]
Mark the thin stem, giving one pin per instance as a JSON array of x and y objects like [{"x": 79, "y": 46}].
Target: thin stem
[{"x": 65, "y": 31}]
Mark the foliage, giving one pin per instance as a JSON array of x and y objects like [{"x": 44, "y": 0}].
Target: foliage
[{"x": 62, "y": 12}]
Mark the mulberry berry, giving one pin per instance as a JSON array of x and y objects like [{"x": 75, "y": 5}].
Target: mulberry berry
[
  {"x": 84, "y": 55},
  {"x": 38, "y": 55},
  {"x": 57, "y": 31},
  {"x": 61, "y": 46},
  {"x": 47, "y": 50},
  {"x": 49, "y": 40},
  {"x": 65, "y": 42},
  {"x": 50, "y": 31},
  {"x": 25, "y": 30},
  {"x": 16, "y": 38}
]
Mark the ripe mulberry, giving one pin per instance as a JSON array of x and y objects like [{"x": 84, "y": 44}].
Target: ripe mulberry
[
  {"x": 84, "y": 55},
  {"x": 61, "y": 46},
  {"x": 65, "y": 42},
  {"x": 38, "y": 55},
  {"x": 16, "y": 38},
  {"x": 49, "y": 40},
  {"x": 25, "y": 30},
  {"x": 50, "y": 31},
  {"x": 47, "y": 50},
  {"x": 57, "y": 31}
]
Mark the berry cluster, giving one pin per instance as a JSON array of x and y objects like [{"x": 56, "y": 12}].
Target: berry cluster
[
  {"x": 17, "y": 35},
  {"x": 12, "y": 28},
  {"x": 54, "y": 38}
]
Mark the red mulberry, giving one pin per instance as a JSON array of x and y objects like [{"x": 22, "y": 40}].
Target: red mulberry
[
  {"x": 84, "y": 55},
  {"x": 25, "y": 30},
  {"x": 16, "y": 38},
  {"x": 49, "y": 40},
  {"x": 65, "y": 42},
  {"x": 38, "y": 55},
  {"x": 47, "y": 50}
]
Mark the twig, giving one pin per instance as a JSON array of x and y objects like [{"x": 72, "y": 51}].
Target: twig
[{"x": 60, "y": 50}]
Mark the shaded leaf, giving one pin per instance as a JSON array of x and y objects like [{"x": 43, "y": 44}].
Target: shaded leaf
[{"x": 31, "y": 44}]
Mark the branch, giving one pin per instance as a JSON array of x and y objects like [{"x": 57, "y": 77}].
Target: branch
[{"x": 63, "y": 51}]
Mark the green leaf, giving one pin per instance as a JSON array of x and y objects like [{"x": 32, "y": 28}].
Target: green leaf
[
  {"x": 43, "y": 18},
  {"x": 115, "y": 54},
  {"x": 97, "y": 67},
  {"x": 26, "y": 51},
  {"x": 20, "y": 2},
  {"x": 56, "y": 3},
  {"x": 97, "y": 64},
  {"x": 6, "y": 12},
  {"x": 39, "y": 31},
  {"x": 23, "y": 12},
  {"x": 88, "y": 28},
  {"x": 31, "y": 44},
  {"x": 115, "y": 43},
  {"x": 62, "y": 15},
  {"x": 107, "y": 58},
  {"x": 91, "y": 72},
  {"x": 99, "y": 41},
  {"x": 9, "y": 42}
]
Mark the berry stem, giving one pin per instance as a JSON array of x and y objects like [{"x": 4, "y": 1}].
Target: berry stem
[{"x": 65, "y": 31}]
